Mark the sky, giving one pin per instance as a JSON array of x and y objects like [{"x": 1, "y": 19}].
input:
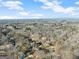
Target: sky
[{"x": 25, "y": 9}]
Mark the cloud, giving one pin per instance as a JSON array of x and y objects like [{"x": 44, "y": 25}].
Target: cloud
[
  {"x": 37, "y": 14},
  {"x": 56, "y": 6},
  {"x": 35, "y": 17},
  {"x": 30, "y": 14},
  {"x": 23, "y": 13},
  {"x": 77, "y": 3},
  {"x": 14, "y": 5},
  {"x": 7, "y": 17},
  {"x": 41, "y": 0}
]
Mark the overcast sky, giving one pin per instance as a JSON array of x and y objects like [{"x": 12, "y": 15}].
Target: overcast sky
[{"x": 16, "y": 9}]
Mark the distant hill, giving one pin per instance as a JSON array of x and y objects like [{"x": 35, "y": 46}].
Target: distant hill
[{"x": 4, "y": 21}]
